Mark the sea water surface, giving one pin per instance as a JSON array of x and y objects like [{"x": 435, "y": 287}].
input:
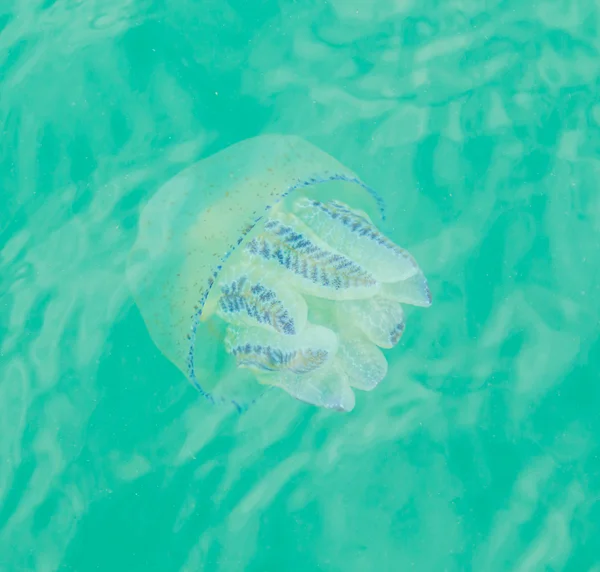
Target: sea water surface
[{"x": 479, "y": 122}]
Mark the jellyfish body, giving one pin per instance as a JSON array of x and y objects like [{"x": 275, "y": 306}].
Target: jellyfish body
[{"x": 261, "y": 266}]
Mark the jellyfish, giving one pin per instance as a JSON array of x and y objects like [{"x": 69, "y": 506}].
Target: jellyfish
[{"x": 262, "y": 266}]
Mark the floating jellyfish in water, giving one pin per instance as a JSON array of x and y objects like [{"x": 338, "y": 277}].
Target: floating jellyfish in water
[{"x": 262, "y": 266}]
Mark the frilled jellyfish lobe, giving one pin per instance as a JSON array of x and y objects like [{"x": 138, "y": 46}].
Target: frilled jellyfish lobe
[{"x": 261, "y": 266}]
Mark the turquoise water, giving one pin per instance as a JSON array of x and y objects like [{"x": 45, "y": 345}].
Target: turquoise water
[{"x": 479, "y": 122}]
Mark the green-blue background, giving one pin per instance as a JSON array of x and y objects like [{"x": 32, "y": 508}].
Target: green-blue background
[{"x": 478, "y": 120}]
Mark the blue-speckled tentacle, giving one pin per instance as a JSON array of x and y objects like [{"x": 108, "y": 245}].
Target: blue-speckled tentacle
[{"x": 215, "y": 273}]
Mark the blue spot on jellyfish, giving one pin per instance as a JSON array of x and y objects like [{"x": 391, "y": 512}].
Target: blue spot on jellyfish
[{"x": 262, "y": 266}]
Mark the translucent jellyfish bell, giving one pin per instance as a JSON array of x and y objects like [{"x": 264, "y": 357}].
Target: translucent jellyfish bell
[{"x": 262, "y": 266}]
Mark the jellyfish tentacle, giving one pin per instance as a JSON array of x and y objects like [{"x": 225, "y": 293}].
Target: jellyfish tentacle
[
  {"x": 380, "y": 319},
  {"x": 363, "y": 363},
  {"x": 414, "y": 291},
  {"x": 258, "y": 301},
  {"x": 267, "y": 351},
  {"x": 326, "y": 387},
  {"x": 353, "y": 233},
  {"x": 309, "y": 262}
]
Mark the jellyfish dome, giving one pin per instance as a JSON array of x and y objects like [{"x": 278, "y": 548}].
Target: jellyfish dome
[{"x": 263, "y": 266}]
